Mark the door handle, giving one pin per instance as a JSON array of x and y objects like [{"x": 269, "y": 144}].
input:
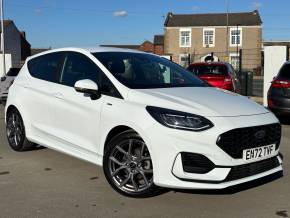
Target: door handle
[{"x": 58, "y": 95}]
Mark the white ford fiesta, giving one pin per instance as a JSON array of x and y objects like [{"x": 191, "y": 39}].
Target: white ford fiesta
[{"x": 147, "y": 121}]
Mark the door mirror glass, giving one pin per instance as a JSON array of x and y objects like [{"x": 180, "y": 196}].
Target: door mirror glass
[{"x": 88, "y": 87}]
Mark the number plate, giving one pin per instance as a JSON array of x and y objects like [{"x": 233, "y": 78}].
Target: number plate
[{"x": 259, "y": 152}]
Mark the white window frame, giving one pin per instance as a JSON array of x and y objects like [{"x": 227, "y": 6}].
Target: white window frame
[
  {"x": 234, "y": 54},
  {"x": 241, "y": 36},
  {"x": 180, "y": 41},
  {"x": 213, "y": 39}
]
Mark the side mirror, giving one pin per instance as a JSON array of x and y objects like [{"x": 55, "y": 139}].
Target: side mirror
[{"x": 88, "y": 87}]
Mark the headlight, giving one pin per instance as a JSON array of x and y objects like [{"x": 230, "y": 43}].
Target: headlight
[{"x": 179, "y": 120}]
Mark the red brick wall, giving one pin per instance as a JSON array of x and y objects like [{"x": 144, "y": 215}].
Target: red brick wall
[
  {"x": 159, "y": 49},
  {"x": 147, "y": 47}
]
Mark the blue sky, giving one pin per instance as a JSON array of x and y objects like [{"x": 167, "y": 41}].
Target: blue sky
[{"x": 60, "y": 23}]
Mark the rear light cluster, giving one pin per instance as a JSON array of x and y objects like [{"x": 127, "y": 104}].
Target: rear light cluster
[
  {"x": 228, "y": 83},
  {"x": 282, "y": 84},
  {"x": 270, "y": 103}
]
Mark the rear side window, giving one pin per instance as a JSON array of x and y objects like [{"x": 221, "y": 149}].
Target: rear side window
[
  {"x": 214, "y": 70},
  {"x": 45, "y": 67},
  {"x": 284, "y": 72},
  {"x": 13, "y": 72}
]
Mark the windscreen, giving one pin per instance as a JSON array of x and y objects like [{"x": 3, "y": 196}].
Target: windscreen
[{"x": 144, "y": 71}]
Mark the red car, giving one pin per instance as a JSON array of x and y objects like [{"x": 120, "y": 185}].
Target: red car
[{"x": 217, "y": 74}]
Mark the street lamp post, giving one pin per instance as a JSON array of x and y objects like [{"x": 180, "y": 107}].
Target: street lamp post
[
  {"x": 2, "y": 37},
  {"x": 238, "y": 36},
  {"x": 227, "y": 41}
]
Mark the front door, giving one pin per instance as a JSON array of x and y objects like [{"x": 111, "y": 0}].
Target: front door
[{"x": 77, "y": 116}]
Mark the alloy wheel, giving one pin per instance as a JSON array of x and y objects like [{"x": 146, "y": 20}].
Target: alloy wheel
[
  {"x": 130, "y": 166},
  {"x": 15, "y": 130}
]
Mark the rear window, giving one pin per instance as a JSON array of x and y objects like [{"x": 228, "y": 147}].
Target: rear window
[
  {"x": 284, "y": 72},
  {"x": 13, "y": 72},
  {"x": 215, "y": 70},
  {"x": 45, "y": 67}
]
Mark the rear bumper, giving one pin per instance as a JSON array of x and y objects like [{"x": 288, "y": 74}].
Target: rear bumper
[
  {"x": 279, "y": 105},
  {"x": 280, "y": 111}
]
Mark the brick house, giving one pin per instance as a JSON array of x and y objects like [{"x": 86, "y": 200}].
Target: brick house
[
  {"x": 146, "y": 46},
  {"x": 196, "y": 37},
  {"x": 16, "y": 45},
  {"x": 156, "y": 47},
  {"x": 35, "y": 51},
  {"x": 17, "y": 48},
  {"x": 25, "y": 46},
  {"x": 158, "y": 44}
]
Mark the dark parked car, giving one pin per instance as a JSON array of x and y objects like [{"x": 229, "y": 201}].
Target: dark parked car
[
  {"x": 6, "y": 81},
  {"x": 279, "y": 92},
  {"x": 217, "y": 74}
]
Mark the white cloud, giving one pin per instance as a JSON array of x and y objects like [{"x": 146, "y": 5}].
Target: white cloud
[
  {"x": 256, "y": 5},
  {"x": 195, "y": 8},
  {"x": 38, "y": 11},
  {"x": 120, "y": 13}
]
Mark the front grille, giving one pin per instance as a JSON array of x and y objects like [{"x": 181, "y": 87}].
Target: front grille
[
  {"x": 243, "y": 171},
  {"x": 235, "y": 141}
]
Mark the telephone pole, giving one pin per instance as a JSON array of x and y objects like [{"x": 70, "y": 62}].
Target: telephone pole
[
  {"x": 2, "y": 37},
  {"x": 227, "y": 41}
]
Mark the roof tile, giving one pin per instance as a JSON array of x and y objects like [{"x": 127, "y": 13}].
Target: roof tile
[{"x": 215, "y": 19}]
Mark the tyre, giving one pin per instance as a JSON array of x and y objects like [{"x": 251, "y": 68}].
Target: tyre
[
  {"x": 15, "y": 132},
  {"x": 128, "y": 166}
]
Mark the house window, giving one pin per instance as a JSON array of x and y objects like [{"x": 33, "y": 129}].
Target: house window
[
  {"x": 208, "y": 37},
  {"x": 235, "y": 60},
  {"x": 185, "y": 37},
  {"x": 236, "y": 36},
  {"x": 184, "y": 60}
]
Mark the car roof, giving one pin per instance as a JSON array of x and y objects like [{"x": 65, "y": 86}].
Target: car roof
[{"x": 89, "y": 50}]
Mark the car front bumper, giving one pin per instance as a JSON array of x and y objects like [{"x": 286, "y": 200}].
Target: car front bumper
[{"x": 166, "y": 146}]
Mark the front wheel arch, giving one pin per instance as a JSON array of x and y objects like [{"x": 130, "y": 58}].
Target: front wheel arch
[
  {"x": 114, "y": 132},
  {"x": 149, "y": 191}
]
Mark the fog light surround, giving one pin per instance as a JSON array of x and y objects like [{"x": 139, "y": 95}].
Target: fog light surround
[{"x": 196, "y": 163}]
